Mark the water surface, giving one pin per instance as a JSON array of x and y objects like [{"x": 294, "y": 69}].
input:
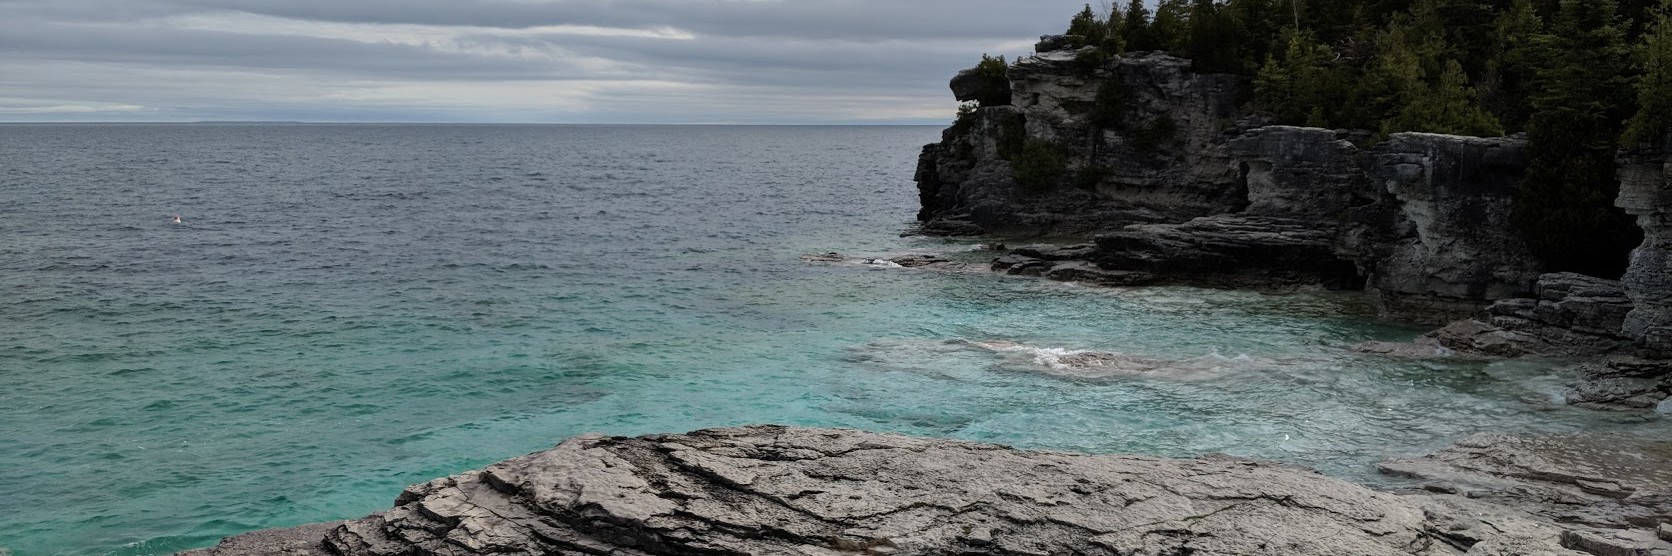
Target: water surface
[{"x": 345, "y": 310}]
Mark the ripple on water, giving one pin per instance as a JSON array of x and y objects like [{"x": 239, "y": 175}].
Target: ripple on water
[{"x": 350, "y": 309}]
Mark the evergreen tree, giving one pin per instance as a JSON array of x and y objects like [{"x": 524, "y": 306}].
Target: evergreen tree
[
  {"x": 1087, "y": 26},
  {"x": 1565, "y": 203},
  {"x": 1212, "y": 43},
  {"x": 1135, "y": 28},
  {"x": 1653, "y": 119},
  {"x": 1258, "y": 26},
  {"x": 1446, "y": 106},
  {"x": 1171, "y": 28},
  {"x": 1509, "y": 71},
  {"x": 1295, "y": 83}
]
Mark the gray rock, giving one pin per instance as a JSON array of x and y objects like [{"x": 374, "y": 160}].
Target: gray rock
[
  {"x": 1615, "y": 542},
  {"x": 971, "y": 85},
  {"x": 1022, "y": 266},
  {"x": 306, "y": 540},
  {"x": 1664, "y": 532},
  {"x": 1056, "y": 252},
  {"x": 1301, "y": 172},
  {"x": 786, "y": 490},
  {"x": 1623, "y": 382},
  {"x": 1571, "y": 315},
  {"x": 1227, "y": 250},
  {"x": 1437, "y": 245},
  {"x": 1112, "y": 179},
  {"x": 1475, "y": 337},
  {"x": 1646, "y": 192},
  {"x": 1087, "y": 273},
  {"x": 919, "y": 260},
  {"x": 1597, "y": 481},
  {"x": 1053, "y": 43}
]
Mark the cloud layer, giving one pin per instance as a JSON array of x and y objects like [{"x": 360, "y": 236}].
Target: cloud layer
[{"x": 582, "y": 61}]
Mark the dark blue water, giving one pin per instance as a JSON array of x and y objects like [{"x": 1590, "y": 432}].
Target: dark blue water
[{"x": 344, "y": 310}]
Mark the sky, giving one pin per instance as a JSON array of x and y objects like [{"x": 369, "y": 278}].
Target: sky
[{"x": 511, "y": 61}]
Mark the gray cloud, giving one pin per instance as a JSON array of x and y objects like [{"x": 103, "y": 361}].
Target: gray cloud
[{"x": 679, "y": 61}]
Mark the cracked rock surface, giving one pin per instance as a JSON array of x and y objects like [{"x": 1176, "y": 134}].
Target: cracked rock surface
[
  {"x": 1612, "y": 494},
  {"x": 785, "y": 490}
]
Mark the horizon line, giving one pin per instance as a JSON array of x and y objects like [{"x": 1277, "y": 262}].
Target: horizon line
[{"x": 327, "y": 122}]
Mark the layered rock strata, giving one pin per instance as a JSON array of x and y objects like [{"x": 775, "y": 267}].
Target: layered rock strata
[
  {"x": 1175, "y": 182},
  {"x": 786, "y": 490},
  {"x": 1437, "y": 243},
  {"x": 1151, "y": 151},
  {"x": 1646, "y": 192},
  {"x": 1420, "y": 221},
  {"x": 1630, "y": 319}
]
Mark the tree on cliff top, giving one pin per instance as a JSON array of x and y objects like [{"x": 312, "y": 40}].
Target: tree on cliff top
[
  {"x": 1653, "y": 119},
  {"x": 1565, "y": 206},
  {"x": 1558, "y": 70}
]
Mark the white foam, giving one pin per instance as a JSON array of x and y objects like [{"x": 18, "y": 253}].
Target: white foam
[
  {"x": 1055, "y": 357},
  {"x": 884, "y": 263}
]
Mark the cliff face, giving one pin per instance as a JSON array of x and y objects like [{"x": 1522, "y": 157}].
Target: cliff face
[
  {"x": 1646, "y": 192},
  {"x": 1175, "y": 182},
  {"x": 1438, "y": 241},
  {"x": 1140, "y": 139}
]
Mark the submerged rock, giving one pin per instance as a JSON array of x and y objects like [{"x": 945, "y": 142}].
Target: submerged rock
[{"x": 787, "y": 490}]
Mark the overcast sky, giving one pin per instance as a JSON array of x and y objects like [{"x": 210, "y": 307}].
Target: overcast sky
[{"x": 558, "y": 61}]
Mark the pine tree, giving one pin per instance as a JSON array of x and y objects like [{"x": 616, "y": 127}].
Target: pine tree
[
  {"x": 1171, "y": 28},
  {"x": 1294, "y": 84},
  {"x": 1087, "y": 26},
  {"x": 1565, "y": 204},
  {"x": 1447, "y": 106},
  {"x": 1509, "y": 71},
  {"x": 1653, "y": 119},
  {"x": 1258, "y": 27},
  {"x": 1212, "y": 44},
  {"x": 1135, "y": 28}
]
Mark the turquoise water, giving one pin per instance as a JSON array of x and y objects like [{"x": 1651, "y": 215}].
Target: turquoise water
[{"x": 345, "y": 310}]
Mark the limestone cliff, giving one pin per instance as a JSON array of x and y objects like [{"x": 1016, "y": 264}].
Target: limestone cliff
[
  {"x": 1174, "y": 182},
  {"x": 1140, "y": 139},
  {"x": 1177, "y": 182},
  {"x": 1646, "y": 192}
]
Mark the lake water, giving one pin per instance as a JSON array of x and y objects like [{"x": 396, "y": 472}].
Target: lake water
[{"x": 347, "y": 309}]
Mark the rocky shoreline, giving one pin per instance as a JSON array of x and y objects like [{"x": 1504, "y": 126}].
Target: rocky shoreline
[
  {"x": 1420, "y": 222},
  {"x": 770, "y": 489},
  {"x": 1170, "y": 182}
]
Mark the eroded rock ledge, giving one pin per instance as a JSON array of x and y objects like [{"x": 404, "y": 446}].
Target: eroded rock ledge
[
  {"x": 786, "y": 490},
  {"x": 1419, "y": 221}
]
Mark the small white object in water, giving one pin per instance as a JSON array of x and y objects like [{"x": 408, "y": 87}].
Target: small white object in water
[
  {"x": 176, "y": 219},
  {"x": 1664, "y": 407}
]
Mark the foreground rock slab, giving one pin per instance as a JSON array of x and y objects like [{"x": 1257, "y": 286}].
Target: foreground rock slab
[
  {"x": 786, "y": 490},
  {"x": 1612, "y": 494}
]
